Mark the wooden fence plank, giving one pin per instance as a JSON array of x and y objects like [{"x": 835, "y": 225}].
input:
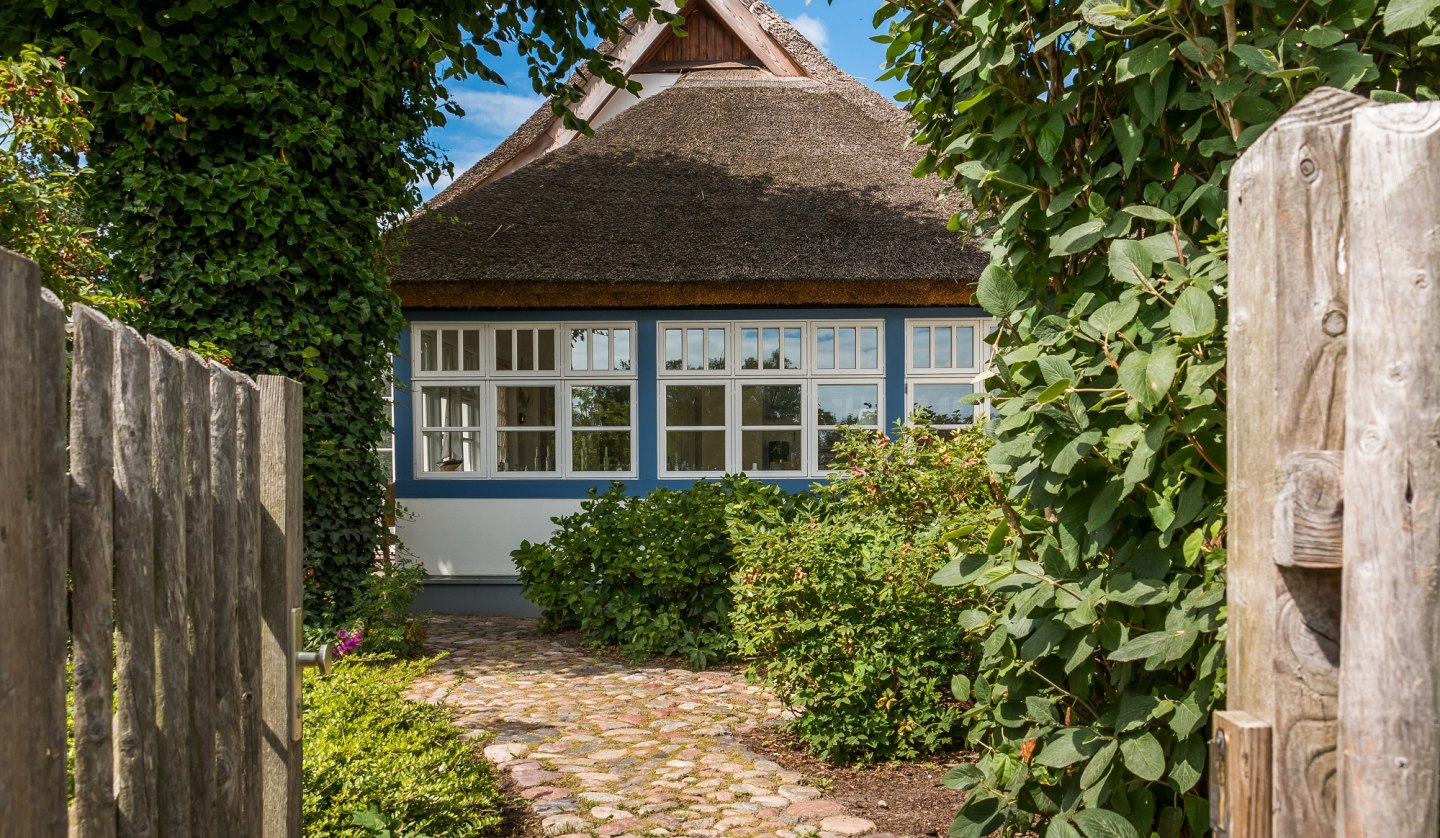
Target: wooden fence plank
[
  {"x": 281, "y": 546},
  {"x": 199, "y": 593},
  {"x": 91, "y": 553},
  {"x": 167, "y": 440},
  {"x": 134, "y": 590},
  {"x": 1240, "y": 760},
  {"x": 1310, "y": 510},
  {"x": 52, "y": 369},
  {"x": 1390, "y": 672},
  {"x": 23, "y": 678},
  {"x": 1287, "y": 326},
  {"x": 223, "y": 512},
  {"x": 247, "y": 590}
]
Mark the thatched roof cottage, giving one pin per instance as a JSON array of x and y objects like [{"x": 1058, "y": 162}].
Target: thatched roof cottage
[{"x": 734, "y": 265}]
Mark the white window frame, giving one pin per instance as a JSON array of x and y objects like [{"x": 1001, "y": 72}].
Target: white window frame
[
  {"x": 562, "y": 379},
  {"x": 815, "y": 385},
  {"x": 735, "y": 377},
  {"x": 980, "y": 357},
  {"x": 591, "y": 328}
]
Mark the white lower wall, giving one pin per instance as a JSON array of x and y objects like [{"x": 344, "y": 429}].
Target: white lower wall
[{"x": 474, "y": 537}]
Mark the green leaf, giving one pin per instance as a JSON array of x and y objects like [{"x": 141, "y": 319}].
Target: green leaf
[
  {"x": 1143, "y": 756},
  {"x": 1142, "y": 60},
  {"x": 1130, "y": 261},
  {"x": 1114, "y": 316},
  {"x": 1053, "y": 392},
  {"x": 1067, "y": 747},
  {"x": 1149, "y": 213},
  {"x": 1260, "y": 60},
  {"x": 1187, "y": 763},
  {"x": 1049, "y": 138},
  {"x": 1129, "y": 139},
  {"x": 1151, "y": 644},
  {"x": 950, "y": 575},
  {"x": 960, "y": 688},
  {"x": 1061, "y": 829},
  {"x": 1407, "y": 14},
  {"x": 1194, "y": 314},
  {"x": 1136, "y": 710},
  {"x": 1075, "y": 239},
  {"x": 1160, "y": 373},
  {"x": 997, "y": 292},
  {"x": 1099, "y": 765},
  {"x": 1133, "y": 374},
  {"x": 1101, "y": 823}
]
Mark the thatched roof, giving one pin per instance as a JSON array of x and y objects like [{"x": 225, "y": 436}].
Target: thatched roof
[{"x": 731, "y": 187}]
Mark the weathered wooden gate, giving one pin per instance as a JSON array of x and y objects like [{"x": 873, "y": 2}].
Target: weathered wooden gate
[
  {"x": 153, "y": 530},
  {"x": 1333, "y": 719}
]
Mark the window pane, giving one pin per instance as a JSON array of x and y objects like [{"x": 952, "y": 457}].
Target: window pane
[
  {"x": 793, "y": 349},
  {"x": 449, "y": 350},
  {"x": 943, "y": 402},
  {"x": 848, "y": 404},
  {"x": 770, "y": 450},
  {"x": 429, "y": 353},
  {"x": 622, "y": 349},
  {"x": 920, "y": 347},
  {"x": 601, "y": 355},
  {"x": 448, "y": 451},
  {"x": 716, "y": 358},
  {"x": 516, "y": 407},
  {"x": 847, "y": 348},
  {"x": 470, "y": 358},
  {"x": 674, "y": 359},
  {"x": 600, "y": 451},
  {"x": 524, "y": 349},
  {"x": 593, "y": 407},
  {"x": 690, "y": 406},
  {"x": 869, "y": 348},
  {"x": 547, "y": 348},
  {"x": 579, "y": 349},
  {"x": 770, "y": 360},
  {"x": 504, "y": 350},
  {"x": 525, "y": 451},
  {"x": 828, "y": 440},
  {"x": 943, "y": 351},
  {"x": 694, "y": 349},
  {"x": 965, "y": 347},
  {"x": 825, "y": 346},
  {"x": 750, "y": 348},
  {"x": 451, "y": 407},
  {"x": 770, "y": 404},
  {"x": 695, "y": 450}
]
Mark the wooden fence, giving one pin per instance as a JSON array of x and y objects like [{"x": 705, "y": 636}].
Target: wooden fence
[
  {"x": 1333, "y": 718},
  {"x": 169, "y": 495}
]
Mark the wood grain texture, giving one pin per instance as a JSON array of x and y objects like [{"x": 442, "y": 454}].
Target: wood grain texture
[
  {"x": 736, "y": 15},
  {"x": 23, "y": 680},
  {"x": 52, "y": 562},
  {"x": 167, "y": 498},
  {"x": 92, "y": 627},
  {"x": 1287, "y": 337},
  {"x": 199, "y": 593},
  {"x": 281, "y": 552},
  {"x": 1310, "y": 510},
  {"x": 135, "y": 734},
  {"x": 223, "y": 513},
  {"x": 247, "y": 600},
  {"x": 1390, "y": 672},
  {"x": 1240, "y": 760}
]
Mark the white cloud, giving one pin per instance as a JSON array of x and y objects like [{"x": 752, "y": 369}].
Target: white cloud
[
  {"x": 814, "y": 29},
  {"x": 496, "y": 110}
]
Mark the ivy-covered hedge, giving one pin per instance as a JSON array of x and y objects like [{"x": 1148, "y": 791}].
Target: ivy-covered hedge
[
  {"x": 833, "y": 601},
  {"x": 1093, "y": 140},
  {"x": 248, "y": 157},
  {"x": 648, "y": 573}
]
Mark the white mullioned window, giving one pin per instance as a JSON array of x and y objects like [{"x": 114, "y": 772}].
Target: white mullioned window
[
  {"x": 768, "y": 398},
  {"x": 943, "y": 359},
  {"x": 524, "y": 399}
]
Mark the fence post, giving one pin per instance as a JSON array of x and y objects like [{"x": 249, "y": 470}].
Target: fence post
[
  {"x": 29, "y": 654},
  {"x": 281, "y": 551},
  {"x": 199, "y": 593},
  {"x": 1287, "y": 356},
  {"x": 247, "y": 597},
  {"x": 1390, "y": 671},
  {"x": 226, "y": 662},
  {"x": 92, "y": 627}
]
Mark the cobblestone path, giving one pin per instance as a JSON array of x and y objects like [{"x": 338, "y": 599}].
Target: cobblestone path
[{"x": 606, "y": 748}]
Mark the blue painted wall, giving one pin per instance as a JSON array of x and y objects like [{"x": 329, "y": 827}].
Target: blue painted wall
[{"x": 647, "y": 365}]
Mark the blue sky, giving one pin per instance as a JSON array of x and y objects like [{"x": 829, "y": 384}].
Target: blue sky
[{"x": 841, "y": 29}]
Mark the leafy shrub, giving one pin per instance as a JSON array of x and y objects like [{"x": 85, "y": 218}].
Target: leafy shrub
[
  {"x": 1093, "y": 141},
  {"x": 375, "y": 760},
  {"x": 380, "y": 622},
  {"x": 834, "y": 602},
  {"x": 650, "y": 574}
]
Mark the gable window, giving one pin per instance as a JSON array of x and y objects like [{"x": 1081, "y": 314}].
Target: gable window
[
  {"x": 943, "y": 359},
  {"x": 503, "y": 400},
  {"x": 765, "y": 398}
]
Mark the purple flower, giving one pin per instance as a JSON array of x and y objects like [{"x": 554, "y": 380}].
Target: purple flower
[{"x": 349, "y": 641}]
